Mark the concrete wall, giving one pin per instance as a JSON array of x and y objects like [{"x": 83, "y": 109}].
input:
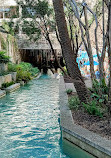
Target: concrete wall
[
  {"x": 5, "y": 79},
  {"x": 3, "y": 67}
]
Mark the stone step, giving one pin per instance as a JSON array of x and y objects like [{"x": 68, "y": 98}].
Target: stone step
[
  {"x": 12, "y": 87},
  {"x": 2, "y": 93}
]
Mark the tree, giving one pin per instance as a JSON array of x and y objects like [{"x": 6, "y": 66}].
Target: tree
[
  {"x": 68, "y": 55},
  {"x": 109, "y": 46},
  {"x": 39, "y": 23}
]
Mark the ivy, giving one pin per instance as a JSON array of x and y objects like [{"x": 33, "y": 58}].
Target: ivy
[{"x": 3, "y": 43}]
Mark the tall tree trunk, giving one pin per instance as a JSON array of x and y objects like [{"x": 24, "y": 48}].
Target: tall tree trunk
[
  {"x": 109, "y": 51},
  {"x": 71, "y": 64}
]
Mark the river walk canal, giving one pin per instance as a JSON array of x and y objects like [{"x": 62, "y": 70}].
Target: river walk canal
[{"x": 29, "y": 122}]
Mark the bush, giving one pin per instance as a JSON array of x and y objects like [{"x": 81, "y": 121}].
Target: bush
[
  {"x": 23, "y": 75},
  {"x": 5, "y": 85},
  {"x": 12, "y": 67},
  {"x": 24, "y": 71},
  {"x": 93, "y": 108},
  {"x": 3, "y": 57},
  {"x": 69, "y": 91},
  {"x": 28, "y": 67},
  {"x": 99, "y": 91},
  {"x": 100, "y": 87},
  {"x": 74, "y": 102}
]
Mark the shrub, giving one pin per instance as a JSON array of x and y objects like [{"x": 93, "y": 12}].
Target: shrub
[
  {"x": 5, "y": 85},
  {"x": 12, "y": 67},
  {"x": 28, "y": 67},
  {"x": 93, "y": 108},
  {"x": 24, "y": 71},
  {"x": 100, "y": 87},
  {"x": 34, "y": 71},
  {"x": 74, "y": 102},
  {"x": 69, "y": 91},
  {"x": 100, "y": 91},
  {"x": 23, "y": 75},
  {"x": 3, "y": 57}
]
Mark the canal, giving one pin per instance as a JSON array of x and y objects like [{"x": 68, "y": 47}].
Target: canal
[{"x": 30, "y": 123}]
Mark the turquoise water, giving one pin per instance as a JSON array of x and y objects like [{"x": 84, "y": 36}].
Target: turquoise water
[{"x": 29, "y": 123}]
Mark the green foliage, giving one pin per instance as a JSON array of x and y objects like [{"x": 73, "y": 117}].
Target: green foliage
[
  {"x": 3, "y": 43},
  {"x": 93, "y": 108},
  {"x": 8, "y": 27},
  {"x": 41, "y": 22},
  {"x": 12, "y": 67},
  {"x": 31, "y": 30},
  {"x": 3, "y": 57},
  {"x": 99, "y": 94},
  {"x": 74, "y": 102},
  {"x": 35, "y": 9},
  {"x": 69, "y": 91},
  {"x": 23, "y": 75},
  {"x": 27, "y": 67},
  {"x": 34, "y": 71},
  {"x": 25, "y": 71},
  {"x": 5, "y": 85},
  {"x": 42, "y": 8},
  {"x": 100, "y": 91}
]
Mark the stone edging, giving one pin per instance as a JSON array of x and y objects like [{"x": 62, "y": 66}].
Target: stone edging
[
  {"x": 12, "y": 87},
  {"x": 2, "y": 93},
  {"x": 87, "y": 140}
]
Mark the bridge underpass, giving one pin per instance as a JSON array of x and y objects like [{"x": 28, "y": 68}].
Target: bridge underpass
[{"x": 41, "y": 58}]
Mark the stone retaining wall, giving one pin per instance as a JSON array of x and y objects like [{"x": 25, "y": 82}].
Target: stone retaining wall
[
  {"x": 3, "y": 67},
  {"x": 87, "y": 140},
  {"x": 5, "y": 79},
  {"x": 12, "y": 87}
]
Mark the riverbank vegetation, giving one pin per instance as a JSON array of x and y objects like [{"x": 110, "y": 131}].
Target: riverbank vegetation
[
  {"x": 3, "y": 57},
  {"x": 73, "y": 23},
  {"x": 95, "y": 114},
  {"x": 96, "y": 101},
  {"x": 25, "y": 71}
]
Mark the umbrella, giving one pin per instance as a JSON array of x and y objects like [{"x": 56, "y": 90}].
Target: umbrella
[{"x": 88, "y": 63}]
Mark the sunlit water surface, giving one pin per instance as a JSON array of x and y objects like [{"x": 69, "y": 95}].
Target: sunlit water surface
[
  {"x": 29, "y": 121},
  {"x": 30, "y": 124}
]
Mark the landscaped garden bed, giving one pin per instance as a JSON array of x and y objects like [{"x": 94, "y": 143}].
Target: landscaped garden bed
[
  {"x": 16, "y": 75},
  {"x": 92, "y": 116},
  {"x": 12, "y": 87},
  {"x": 88, "y": 140}
]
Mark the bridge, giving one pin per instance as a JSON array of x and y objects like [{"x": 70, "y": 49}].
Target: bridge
[{"x": 39, "y": 54}]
